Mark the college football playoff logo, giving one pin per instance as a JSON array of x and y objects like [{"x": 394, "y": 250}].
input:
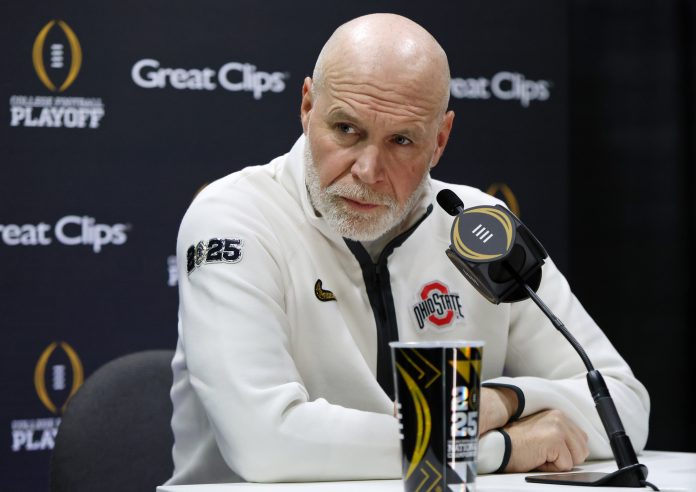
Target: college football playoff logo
[
  {"x": 502, "y": 190},
  {"x": 50, "y": 45},
  {"x": 57, "y": 360}
]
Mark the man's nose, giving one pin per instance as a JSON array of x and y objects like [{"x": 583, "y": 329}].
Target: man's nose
[{"x": 367, "y": 167}]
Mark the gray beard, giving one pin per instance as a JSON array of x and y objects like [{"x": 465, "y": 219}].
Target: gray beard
[{"x": 358, "y": 226}]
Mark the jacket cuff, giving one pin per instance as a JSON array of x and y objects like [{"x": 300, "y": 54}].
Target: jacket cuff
[
  {"x": 491, "y": 453},
  {"x": 520, "y": 397},
  {"x": 508, "y": 451}
]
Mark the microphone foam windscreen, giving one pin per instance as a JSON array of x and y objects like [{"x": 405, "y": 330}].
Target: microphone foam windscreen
[{"x": 449, "y": 201}]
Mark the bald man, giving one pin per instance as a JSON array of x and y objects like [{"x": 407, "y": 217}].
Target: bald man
[{"x": 295, "y": 275}]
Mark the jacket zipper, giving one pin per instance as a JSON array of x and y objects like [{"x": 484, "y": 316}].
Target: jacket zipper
[{"x": 378, "y": 287}]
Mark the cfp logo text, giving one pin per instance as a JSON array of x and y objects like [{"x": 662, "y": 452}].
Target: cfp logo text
[
  {"x": 57, "y": 377},
  {"x": 57, "y": 55}
]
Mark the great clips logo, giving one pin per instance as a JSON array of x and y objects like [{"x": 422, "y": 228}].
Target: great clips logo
[
  {"x": 71, "y": 230},
  {"x": 504, "y": 85},
  {"x": 437, "y": 306},
  {"x": 233, "y": 76}
]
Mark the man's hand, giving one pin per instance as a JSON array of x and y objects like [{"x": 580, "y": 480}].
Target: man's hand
[
  {"x": 546, "y": 441},
  {"x": 496, "y": 408}
]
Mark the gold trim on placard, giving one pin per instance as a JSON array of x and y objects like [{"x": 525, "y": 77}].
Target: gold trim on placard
[
  {"x": 436, "y": 372},
  {"x": 426, "y": 482},
  {"x": 423, "y": 420}
]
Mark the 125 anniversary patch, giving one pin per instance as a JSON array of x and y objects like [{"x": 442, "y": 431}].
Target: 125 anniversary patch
[{"x": 215, "y": 250}]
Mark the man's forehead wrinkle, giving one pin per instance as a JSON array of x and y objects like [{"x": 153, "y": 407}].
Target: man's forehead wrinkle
[
  {"x": 406, "y": 78},
  {"x": 393, "y": 102},
  {"x": 408, "y": 120}
]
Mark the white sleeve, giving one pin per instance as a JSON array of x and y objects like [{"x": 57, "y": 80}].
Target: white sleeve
[
  {"x": 492, "y": 453},
  {"x": 543, "y": 364},
  {"x": 236, "y": 336}
]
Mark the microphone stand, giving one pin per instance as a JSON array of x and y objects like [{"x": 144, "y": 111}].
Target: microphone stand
[
  {"x": 631, "y": 473},
  {"x": 465, "y": 257}
]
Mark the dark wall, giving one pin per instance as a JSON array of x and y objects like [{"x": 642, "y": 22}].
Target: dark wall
[
  {"x": 127, "y": 168},
  {"x": 632, "y": 203},
  {"x": 126, "y": 162}
]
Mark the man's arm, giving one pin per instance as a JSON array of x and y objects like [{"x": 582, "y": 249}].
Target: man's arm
[{"x": 237, "y": 341}]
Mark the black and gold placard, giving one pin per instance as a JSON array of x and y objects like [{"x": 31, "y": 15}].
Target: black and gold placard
[{"x": 438, "y": 387}]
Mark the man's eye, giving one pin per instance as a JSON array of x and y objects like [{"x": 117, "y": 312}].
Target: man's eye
[
  {"x": 401, "y": 140},
  {"x": 345, "y": 128}
]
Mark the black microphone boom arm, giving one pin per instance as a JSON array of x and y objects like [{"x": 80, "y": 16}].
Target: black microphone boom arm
[{"x": 502, "y": 259}]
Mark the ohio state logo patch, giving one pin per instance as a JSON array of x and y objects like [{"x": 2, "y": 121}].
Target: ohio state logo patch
[{"x": 437, "y": 306}]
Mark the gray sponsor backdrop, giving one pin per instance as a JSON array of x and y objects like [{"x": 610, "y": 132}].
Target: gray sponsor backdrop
[{"x": 117, "y": 113}]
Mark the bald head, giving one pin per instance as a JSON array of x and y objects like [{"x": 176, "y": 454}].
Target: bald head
[
  {"x": 382, "y": 49},
  {"x": 375, "y": 120}
]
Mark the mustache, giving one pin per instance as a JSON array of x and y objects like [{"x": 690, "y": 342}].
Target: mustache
[{"x": 357, "y": 191}]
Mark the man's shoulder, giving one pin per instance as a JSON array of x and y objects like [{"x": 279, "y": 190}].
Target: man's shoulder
[
  {"x": 243, "y": 199},
  {"x": 248, "y": 189},
  {"x": 237, "y": 186}
]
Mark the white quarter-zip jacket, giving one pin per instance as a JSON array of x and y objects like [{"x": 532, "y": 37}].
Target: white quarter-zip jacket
[{"x": 282, "y": 368}]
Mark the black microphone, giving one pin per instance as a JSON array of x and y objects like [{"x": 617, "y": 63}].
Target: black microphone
[
  {"x": 502, "y": 259},
  {"x": 449, "y": 201},
  {"x": 485, "y": 240}
]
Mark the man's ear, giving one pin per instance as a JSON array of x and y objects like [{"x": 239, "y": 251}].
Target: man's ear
[
  {"x": 307, "y": 103},
  {"x": 443, "y": 134}
]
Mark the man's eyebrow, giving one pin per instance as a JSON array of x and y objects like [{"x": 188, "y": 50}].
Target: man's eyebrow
[
  {"x": 410, "y": 132},
  {"x": 341, "y": 114}
]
